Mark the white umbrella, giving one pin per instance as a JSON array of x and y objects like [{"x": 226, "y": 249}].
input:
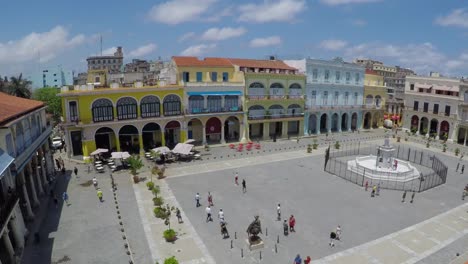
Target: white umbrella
[
  {"x": 189, "y": 141},
  {"x": 99, "y": 151},
  {"x": 162, "y": 150},
  {"x": 120, "y": 155},
  {"x": 182, "y": 148}
]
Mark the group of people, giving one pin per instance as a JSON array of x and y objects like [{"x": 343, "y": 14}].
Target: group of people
[
  {"x": 465, "y": 192},
  {"x": 404, "y": 197},
  {"x": 375, "y": 189},
  {"x": 209, "y": 218},
  {"x": 60, "y": 165}
]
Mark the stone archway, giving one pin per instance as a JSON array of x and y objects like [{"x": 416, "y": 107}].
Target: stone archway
[
  {"x": 152, "y": 136},
  {"x": 354, "y": 121},
  {"x": 414, "y": 123},
  {"x": 105, "y": 138},
  {"x": 433, "y": 127},
  {"x": 423, "y": 129},
  {"x": 444, "y": 130},
  {"x": 367, "y": 120},
  {"x": 312, "y": 124},
  {"x": 324, "y": 123},
  {"x": 375, "y": 120},
  {"x": 172, "y": 133},
  {"x": 335, "y": 123},
  {"x": 195, "y": 130},
  {"x": 232, "y": 129},
  {"x": 213, "y": 130},
  {"x": 344, "y": 122},
  {"x": 129, "y": 139}
]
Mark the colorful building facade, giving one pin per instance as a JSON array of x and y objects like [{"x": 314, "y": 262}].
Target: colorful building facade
[
  {"x": 375, "y": 98},
  {"x": 334, "y": 96}
]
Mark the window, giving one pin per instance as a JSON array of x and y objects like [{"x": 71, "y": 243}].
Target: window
[
  {"x": 348, "y": 77},
  {"x": 102, "y": 110},
  {"x": 9, "y": 145},
  {"x": 97, "y": 79},
  {"x": 196, "y": 104},
  {"x": 313, "y": 97},
  {"x": 186, "y": 76},
  {"x": 346, "y": 96},
  {"x": 150, "y": 106},
  {"x": 214, "y": 76},
  {"x": 214, "y": 103},
  {"x": 411, "y": 87},
  {"x": 314, "y": 74},
  {"x": 73, "y": 111},
  {"x": 55, "y": 74},
  {"x": 337, "y": 94},
  {"x": 225, "y": 77},
  {"x": 99, "y": 61},
  {"x": 231, "y": 103},
  {"x": 55, "y": 80},
  {"x": 357, "y": 80},
  {"x": 126, "y": 108},
  {"x": 415, "y": 105},
  {"x": 436, "y": 109},
  {"x": 199, "y": 77},
  {"x": 171, "y": 105},
  {"x": 327, "y": 75},
  {"x": 325, "y": 98},
  {"x": 113, "y": 61},
  {"x": 356, "y": 97},
  {"x": 426, "y": 107},
  {"x": 338, "y": 76},
  {"x": 447, "y": 110}
]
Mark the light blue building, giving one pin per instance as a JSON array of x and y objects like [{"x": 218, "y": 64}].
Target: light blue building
[
  {"x": 51, "y": 77},
  {"x": 334, "y": 96}
]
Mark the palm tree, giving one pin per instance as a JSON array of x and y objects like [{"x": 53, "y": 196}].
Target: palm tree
[{"x": 19, "y": 87}]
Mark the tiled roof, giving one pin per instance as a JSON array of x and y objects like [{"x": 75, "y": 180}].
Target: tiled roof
[
  {"x": 183, "y": 61},
  {"x": 369, "y": 71},
  {"x": 12, "y": 107},
  {"x": 268, "y": 64}
]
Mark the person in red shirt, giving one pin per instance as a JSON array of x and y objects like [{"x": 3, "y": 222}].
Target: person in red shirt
[
  {"x": 292, "y": 223},
  {"x": 307, "y": 260}
]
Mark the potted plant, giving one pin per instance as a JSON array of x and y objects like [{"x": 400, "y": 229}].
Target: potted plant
[
  {"x": 171, "y": 260},
  {"x": 428, "y": 143},
  {"x": 457, "y": 151},
  {"x": 444, "y": 147},
  {"x": 158, "y": 171},
  {"x": 170, "y": 235},
  {"x": 158, "y": 201},
  {"x": 398, "y": 139},
  {"x": 444, "y": 136},
  {"x": 155, "y": 190},
  {"x": 309, "y": 148},
  {"x": 337, "y": 145},
  {"x": 160, "y": 212},
  {"x": 424, "y": 132},
  {"x": 150, "y": 185},
  {"x": 315, "y": 145},
  {"x": 413, "y": 131},
  {"x": 207, "y": 148},
  {"x": 135, "y": 163}
]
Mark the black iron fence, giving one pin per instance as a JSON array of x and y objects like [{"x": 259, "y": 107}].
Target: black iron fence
[{"x": 432, "y": 171}]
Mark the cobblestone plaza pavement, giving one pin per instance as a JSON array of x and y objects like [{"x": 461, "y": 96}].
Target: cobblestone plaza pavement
[{"x": 319, "y": 202}]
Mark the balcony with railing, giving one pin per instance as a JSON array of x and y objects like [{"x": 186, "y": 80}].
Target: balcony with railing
[
  {"x": 273, "y": 115},
  {"x": 275, "y": 97},
  {"x": 431, "y": 112},
  {"x": 196, "y": 111}
]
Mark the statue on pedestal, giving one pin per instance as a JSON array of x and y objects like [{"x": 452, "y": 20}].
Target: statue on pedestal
[{"x": 253, "y": 230}]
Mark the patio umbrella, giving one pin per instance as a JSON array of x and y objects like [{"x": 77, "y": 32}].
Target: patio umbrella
[
  {"x": 120, "y": 155},
  {"x": 182, "y": 148},
  {"x": 162, "y": 150},
  {"x": 189, "y": 141},
  {"x": 99, "y": 151}
]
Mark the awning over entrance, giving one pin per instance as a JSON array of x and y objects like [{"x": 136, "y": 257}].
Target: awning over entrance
[{"x": 215, "y": 93}]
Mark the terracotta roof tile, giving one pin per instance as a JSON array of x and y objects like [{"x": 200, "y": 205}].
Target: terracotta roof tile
[
  {"x": 183, "y": 61},
  {"x": 12, "y": 107},
  {"x": 270, "y": 64},
  {"x": 369, "y": 71}
]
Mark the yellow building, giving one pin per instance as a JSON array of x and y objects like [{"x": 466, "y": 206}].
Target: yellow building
[
  {"x": 375, "y": 98},
  {"x": 129, "y": 119}
]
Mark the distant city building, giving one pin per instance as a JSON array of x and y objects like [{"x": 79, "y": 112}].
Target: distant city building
[
  {"x": 137, "y": 66},
  {"x": 111, "y": 63},
  {"x": 80, "y": 79},
  {"x": 375, "y": 98},
  {"x": 51, "y": 77}
]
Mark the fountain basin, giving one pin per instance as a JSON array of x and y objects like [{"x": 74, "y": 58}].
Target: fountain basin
[{"x": 366, "y": 166}]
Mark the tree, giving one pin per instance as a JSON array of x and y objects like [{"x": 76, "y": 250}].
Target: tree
[
  {"x": 19, "y": 87},
  {"x": 48, "y": 95}
]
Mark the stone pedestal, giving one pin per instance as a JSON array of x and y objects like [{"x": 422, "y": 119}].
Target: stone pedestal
[{"x": 258, "y": 244}]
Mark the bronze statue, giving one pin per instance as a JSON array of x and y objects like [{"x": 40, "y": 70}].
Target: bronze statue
[{"x": 253, "y": 230}]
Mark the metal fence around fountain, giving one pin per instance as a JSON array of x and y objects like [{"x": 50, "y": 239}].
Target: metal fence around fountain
[{"x": 434, "y": 175}]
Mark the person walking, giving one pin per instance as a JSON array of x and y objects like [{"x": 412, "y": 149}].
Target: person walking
[
  {"x": 465, "y": 192},
  {"x": 197, "y": 199},
  {"x": 462, "y": 169},
  {"x": 367, "y": 185},
  {"x": 99, "y": 194},
  {"x": 298, "y": 259},
  {"x": 75, "y": 170},
  {"x": 285, "y": 227},
  {"x": 244, "y": 186},
  {"x": 378, "y": 189},
  {"x": 221, "y": 215},
  {"x": 332, "y": 239},
  {"x": 372, "y": 194},
  {"x": 412, "y": 196},
  {"x": 95, "y": 182},
  {"x": 338, "y": 232},
  {"x": 65, "y": 198},
  {"x": 236, "y": 178},
  {"x": 210, "y": 199},
  {"x": 179, "y": 216},
  {"x": 403, "y": 198},
  {"x": 208, "y": 214},
  {"x": 458, "y": 166},
  {"x": 89, "y": 169},
  {"x": 292, "y": 224},
  {"x": 57, "y": 162},
  {"x": 307, "y": 260},
  {"x": 278, "y": 212}
]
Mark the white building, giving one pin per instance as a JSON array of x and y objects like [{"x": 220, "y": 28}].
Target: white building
[{"x": 432, "y": 106}]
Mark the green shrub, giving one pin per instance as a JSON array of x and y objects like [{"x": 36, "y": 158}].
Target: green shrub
[
  {"x": 160, "y": 212},
  {"x": 171, "y": 260},
  {"x": 169, "y": 234},
  {"x": 315, "y": 145},
  {"x": 150, "y": 185},
  {"x": 309, "y": 148},
  {"x": 156, "y": 190},
  {"x": 457, "y": 151},
  {"x": 158, "y": 201},
  {"x": 337, "y": 145}
]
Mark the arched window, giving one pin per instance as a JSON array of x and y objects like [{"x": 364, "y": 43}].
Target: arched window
[
  {"x": 103, "y": 110},
  {"x": 126, "y": 108},
  {"x": 172, "y": 105},
  {"x": 150, "y": 106},
  {"x": 276, "y": 111},
  {"x": 294, "y": 110},
  {"x": 256, "y": 112},
  {"x": 378, "y": 100},
  {"x": 196, "y": 104},
  {"x": 369, "y": 100},
  {"x": 276, "y": 91},
  {"x": 256, "y": 90},
  {"x": 295, "y": 90},
  {"x": 256, "y": 85}
]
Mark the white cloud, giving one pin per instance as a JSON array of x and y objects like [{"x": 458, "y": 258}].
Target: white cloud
[
  {"x": 218, "y": 15},
  {"x": 108, "y": 51},
  {"x": 143, "y": 50},
  {"x": 179, "y": 11},
  {"x": 347, "y": 2},
  {"x": 216, "y": 34},
  {"x": 47, "y": 44},
  {"x": 333, "y": 44},
  {"x": 458, "y": 17},
  {"x": 359, "y": 22},
  {"x": 271, "y": 11},
  {"x": 198, "y": 50},
  {"x": 186, "y": 36},
  {"x": 264, "y": 42}
]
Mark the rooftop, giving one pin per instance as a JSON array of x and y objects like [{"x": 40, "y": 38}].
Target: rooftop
[
  {"x": 12, "y": 107},
  {"x": 183, "y": 61},
  {"x": 267, "y": 64}
]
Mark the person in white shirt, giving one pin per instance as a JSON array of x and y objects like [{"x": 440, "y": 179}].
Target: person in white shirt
[
  {"x": 221, "y": 215},
  {"x": 278, "y": 212},
  {"x": 208, "y": 214},
  {"x": 197, "y": 199},
  {"x": 338, "y": 232},
  {"x": 95, "y": 183}
]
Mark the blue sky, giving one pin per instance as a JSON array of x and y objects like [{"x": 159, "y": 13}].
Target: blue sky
[{"x": 419, "y": 34}]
